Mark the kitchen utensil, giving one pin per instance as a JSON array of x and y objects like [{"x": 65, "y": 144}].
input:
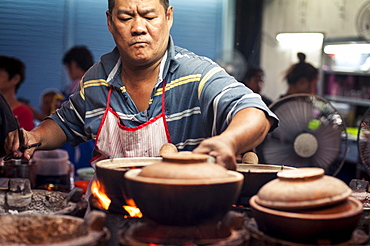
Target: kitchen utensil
[
  {"x": 19, "y": 168},
  {"x": 303, "y": 188},
  {"x": 183, "y": 190},
  {"x": 22, "y": 145},
  {"x": 255, "y": 176},
  {"x": 322, "y": 226},
  {"x": 359, "y": 189},
  {"x": 311, "y": 133}
]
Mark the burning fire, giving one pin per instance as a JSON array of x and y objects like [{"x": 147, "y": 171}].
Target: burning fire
[
  {"x": 132, "y": 209},
  {"x": 103, "y": 198},
  {"x": 105, "y": 201}
]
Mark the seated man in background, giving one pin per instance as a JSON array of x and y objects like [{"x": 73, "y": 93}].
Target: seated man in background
[
  {"x": 254, "y": 81},
  {"x": 77, "y": 61}
]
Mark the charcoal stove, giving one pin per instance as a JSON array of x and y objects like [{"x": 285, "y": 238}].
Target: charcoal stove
[
  {"x": 239, "y": 222},
  {"x": 228, "y": 232},
  {"x": 17, "y": 197},
  {"x": 130, "y": 231}
]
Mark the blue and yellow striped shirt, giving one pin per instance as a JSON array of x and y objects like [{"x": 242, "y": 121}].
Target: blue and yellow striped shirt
[{"x": 200, "y": 99}]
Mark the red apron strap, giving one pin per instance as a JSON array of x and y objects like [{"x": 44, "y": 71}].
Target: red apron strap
[{"x": 164, "y": 112}]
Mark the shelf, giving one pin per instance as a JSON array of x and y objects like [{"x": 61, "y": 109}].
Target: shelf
[
  {"x": 350, "y": 100},
  {"x": 357, "y": 73}
]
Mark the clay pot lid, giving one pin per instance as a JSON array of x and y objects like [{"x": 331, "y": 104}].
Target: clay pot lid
[
  {"x": 184, "y": 166},
  {"x": 302, "y": 174},
  {"x": 303, "y": 188}
]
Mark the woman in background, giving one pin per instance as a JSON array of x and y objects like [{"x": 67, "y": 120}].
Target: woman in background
[{"x": 301, "y": 77}]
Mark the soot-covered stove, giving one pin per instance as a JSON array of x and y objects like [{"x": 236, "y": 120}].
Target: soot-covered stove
[
  {"x": 131, "y": 231},
  {"x": 237, "y": 228}
]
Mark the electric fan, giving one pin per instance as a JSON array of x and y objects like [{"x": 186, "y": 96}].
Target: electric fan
[
  {"x": 311, "y": 133},
  {"x": 363, "y": 140},
  {"x": 234, "y": 63},
  {"x": 363, "y": 21}
]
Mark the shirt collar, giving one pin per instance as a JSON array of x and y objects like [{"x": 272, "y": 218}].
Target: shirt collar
[{"x": 116, "y": 71}]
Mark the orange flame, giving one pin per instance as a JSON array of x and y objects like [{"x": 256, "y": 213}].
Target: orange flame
[
  {"x": 132, "y": 209},
  {"x": 103, "y": 198}
]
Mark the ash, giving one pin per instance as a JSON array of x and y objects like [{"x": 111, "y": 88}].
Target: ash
[{"x": 38, "y": 230}]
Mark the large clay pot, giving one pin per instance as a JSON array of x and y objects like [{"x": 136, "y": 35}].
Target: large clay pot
[
  {"x": 183, "y": 190},
  {"x": 110, "y": 174},
  {"x": 255, "y": 176}
]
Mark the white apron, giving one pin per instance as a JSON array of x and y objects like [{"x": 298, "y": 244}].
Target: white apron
[{"x": 114, "y": 140}]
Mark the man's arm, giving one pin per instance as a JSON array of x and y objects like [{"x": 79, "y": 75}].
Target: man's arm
[
  {"x": 48, "y": 133},
  {"x": 247, "y": 130}
]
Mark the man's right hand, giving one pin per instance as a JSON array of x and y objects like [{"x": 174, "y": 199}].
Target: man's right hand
[
  {"x": 12, "y": 144},
  {"x": 48, "y": 133}
]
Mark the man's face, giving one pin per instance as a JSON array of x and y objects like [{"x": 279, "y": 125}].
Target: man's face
[
  {"x": 141, "y": 30},
  {"x": 255, "y": 83}
]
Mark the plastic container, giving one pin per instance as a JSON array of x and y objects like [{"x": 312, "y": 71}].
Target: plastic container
[{"x": 53, "y": 167}]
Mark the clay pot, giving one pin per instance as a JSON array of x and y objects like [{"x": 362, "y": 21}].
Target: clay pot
[
  {"x": 183, "y": 190},
  {"x": 321, "y": 226},
  {"x": 255, "y": 176},
  {"x": 302, "y": 188},
  {"x": 110, "y": 174}
]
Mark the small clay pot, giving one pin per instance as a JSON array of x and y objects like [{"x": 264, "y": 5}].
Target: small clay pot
[
  {"x": 183, "y": 190},
  {"x": 302, "y": 188}
]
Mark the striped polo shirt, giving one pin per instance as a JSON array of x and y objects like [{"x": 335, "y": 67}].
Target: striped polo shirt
[{"x": 200, "y": 99}]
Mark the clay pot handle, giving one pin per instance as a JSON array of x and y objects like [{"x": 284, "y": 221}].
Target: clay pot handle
[
  {"x": 250, "y": 158},
  {"x": 167, "y": 148}
]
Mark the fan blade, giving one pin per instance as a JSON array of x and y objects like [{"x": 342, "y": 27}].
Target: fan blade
[
  {"x": 294, "y": 116},
  {"x": 303, "y": 113}
]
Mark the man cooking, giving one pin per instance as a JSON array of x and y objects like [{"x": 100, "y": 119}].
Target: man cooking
[{"x": 148, "y": 92}]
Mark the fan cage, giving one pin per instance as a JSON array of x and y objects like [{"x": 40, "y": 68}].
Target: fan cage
[
  {"x": 309, "y": 114},
  {"x": 363, "y": 21},
  {"x": 363, "y": 141}
]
